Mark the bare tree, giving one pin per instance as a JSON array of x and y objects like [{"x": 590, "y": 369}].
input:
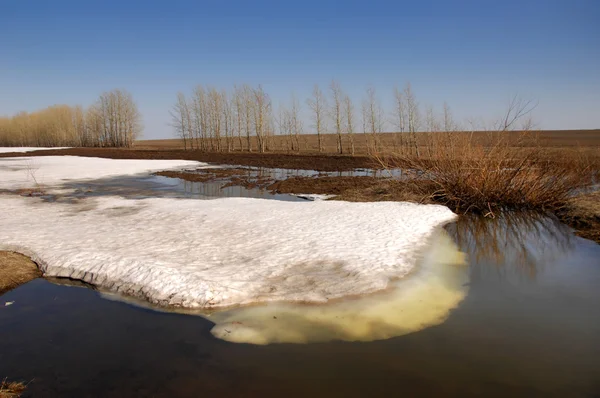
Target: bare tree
[
  {"x": 518, "y": 107},
  {"x": 373, "y": 112},
  {"x": 449, "y": 124},
  {"x": 318, "y": 106},
  {"x": 296, "y": 123},
  {"x": 285, "y": 126},
  {"x": 413, "y": 115},
  {"x": 336, "y": 112},
  {"x": 228, "y": 120},
  {"x": 181, "y": 119},
  {"x": 262, "y": 117},
  {"x": 431, "y": 120},
  {"x": 349, "y": 120},
  {"x": 400, "y": 115},
  {"x": 121, "y": 119}
]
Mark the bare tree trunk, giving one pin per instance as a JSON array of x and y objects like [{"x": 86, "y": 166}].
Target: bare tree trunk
[
  {"x": 318, "y": 106},
  {"x": 412, "y": 108},
  {"x": 349, "y": 117},
  {"x": 336, "y": 113}
]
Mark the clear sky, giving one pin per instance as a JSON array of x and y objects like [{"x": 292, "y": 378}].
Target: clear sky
[{"x": 472, "y": 54}]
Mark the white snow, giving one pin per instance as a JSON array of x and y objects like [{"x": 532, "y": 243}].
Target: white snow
[
  {"x": 28, "y": 149},
  {"x": 423, "y": 298},
  {"x": 208, "y": 254},
  {"x": 222, "y": 252},
  {"x": 50, "y": 171}
]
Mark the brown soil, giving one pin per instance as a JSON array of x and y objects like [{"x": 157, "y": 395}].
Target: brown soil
[
  {"x": 15, "y": 270},
  {"x": 204, "y": 175},
  {"x": 583, "y": 214},
  {"x": 268, "y": 160},
  {"x": 323, "y": 185},
  {"x": 352, "y": 189},
  {"x": 309, "y": 142}
]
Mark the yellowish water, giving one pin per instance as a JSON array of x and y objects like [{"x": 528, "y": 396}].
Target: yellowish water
[{"x": 422, "y": 299}]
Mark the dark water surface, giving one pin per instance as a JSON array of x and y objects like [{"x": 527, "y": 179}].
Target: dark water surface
[{"x": 530, "y": 326}]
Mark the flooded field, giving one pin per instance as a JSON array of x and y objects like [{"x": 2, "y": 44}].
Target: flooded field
[{"x": 525, "y": 324}]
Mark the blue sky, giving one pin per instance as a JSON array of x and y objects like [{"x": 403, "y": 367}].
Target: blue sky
[{"x": 472, "y": 54}]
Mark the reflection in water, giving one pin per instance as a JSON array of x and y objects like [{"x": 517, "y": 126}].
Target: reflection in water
[
  {"x": 422, "y": 299},
  {"x": 141, "y": 187},
  {"x": 513, "y": 245}
]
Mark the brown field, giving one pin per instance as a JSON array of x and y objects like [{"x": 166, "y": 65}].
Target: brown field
[
  {"x": 304, "y": 161},
  {"x": 308, "y": 142}
]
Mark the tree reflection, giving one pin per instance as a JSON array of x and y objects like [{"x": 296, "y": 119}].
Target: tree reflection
[{"x": 513, "y": 245}]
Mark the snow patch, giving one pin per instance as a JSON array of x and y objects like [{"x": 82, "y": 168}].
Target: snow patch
[
  {"x": 51, "y": 171},
  {"x": 222, "y": 252},
  {"x": 28, "y": 149},
  {"x": 422, "y": 299}
]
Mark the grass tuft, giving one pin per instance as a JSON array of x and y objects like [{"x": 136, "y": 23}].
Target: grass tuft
[
  {"x": 11, "y": 389},
  {"x": 468, "y": 176}
]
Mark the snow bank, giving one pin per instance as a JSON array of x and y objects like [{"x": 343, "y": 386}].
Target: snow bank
[
  {"x": 422, "y": 299},
  {"x": 28, "y": 149},
  {"x": 50, "y": 171},
  {"x": 222, "y": 252}
]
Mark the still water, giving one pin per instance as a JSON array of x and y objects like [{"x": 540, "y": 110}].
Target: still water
[{"x": 528, "y": 326}]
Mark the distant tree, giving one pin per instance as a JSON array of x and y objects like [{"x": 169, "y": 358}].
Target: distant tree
[
  {"x": 413, "y": 116},
  {"x": 336, "y": 112},
  {"x": 373, "y": 116},
  {"x": 181, "y": 120},
  {"x": 349, "y": 120},
  {"x": 121, "y": 119},
  {"x": 296, "y": 123},
  {"x": 318, "y": 106}
]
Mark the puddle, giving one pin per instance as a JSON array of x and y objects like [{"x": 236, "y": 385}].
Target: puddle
[{"x": 527, "y": 327}]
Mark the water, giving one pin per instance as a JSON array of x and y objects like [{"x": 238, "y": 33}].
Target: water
[{"x": 529, "y": 326}]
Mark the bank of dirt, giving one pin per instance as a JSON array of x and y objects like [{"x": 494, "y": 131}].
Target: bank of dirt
[
  {"x": 269, "y": 160},
  {"x": 15, "y": 270},
  {"x": 583, "y": 214}
]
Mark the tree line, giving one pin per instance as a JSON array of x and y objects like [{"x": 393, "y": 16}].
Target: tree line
[
  {"x": 112, "y": 121},
  {"x": 212, "y": 119}
]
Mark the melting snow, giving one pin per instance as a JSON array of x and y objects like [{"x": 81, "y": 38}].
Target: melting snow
[
  {"x": 50, "y": 171},
  {"x": 217, "y": 253},
  {"x": 28, "y": 149}
]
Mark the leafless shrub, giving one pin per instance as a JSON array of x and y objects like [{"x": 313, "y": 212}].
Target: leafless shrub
[{"x": 471, "y": 175}]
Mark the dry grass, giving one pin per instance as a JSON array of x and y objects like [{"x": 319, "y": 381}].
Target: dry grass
[
  {"x": 582, "y": 212},
  {"x": 11, "y": 389},
  {"x": 15, "y": 270},
  {"x": 468, "y": 176}
]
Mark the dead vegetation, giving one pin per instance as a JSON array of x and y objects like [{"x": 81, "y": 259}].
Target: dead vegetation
[
  {"x": 11, "y": 389},
  {"x": 582, "y": 212},
  {"x": 113, "y": 121},
  {"x": 509, "y": 170},
  {"x": 15, "y": 270},
  {"x": 469, "y": 177}
]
